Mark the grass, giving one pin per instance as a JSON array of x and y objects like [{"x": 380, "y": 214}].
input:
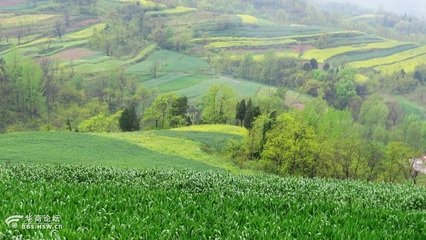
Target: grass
[
  {"x": 170, "y": 83},
  {"x": 87, "y": 32},
  {"x": 86, "y": 149},
  {"x": 166, "y": 204},
  {"x": 142, "y": 54},
  {"x": 199, "y": 146},
  {"x": 242, "y": 88},
  {"x": 12, "y": 20},
  {"x": 268, "y": 31},
  {"x": 214, "y": 128},
  {"x": 324, "y": 54},
  {"x": 369, "y": 54},
  {"x": 251, "y": 43},
  {"x": 409, "y": 65},
  {"x": 170, "y": 63},
  {"x": 145, "y": 3},
  {"x": 393, "y": 59},
  {"x": 248, "y": 19}
]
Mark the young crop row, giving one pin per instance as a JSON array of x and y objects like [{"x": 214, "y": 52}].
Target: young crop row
[
  {"x": 105, "y": 203},
  {"x": 369, "y": 54},
  {"x": 324, "y": 54},
  {"x": 402, "y": 56}
]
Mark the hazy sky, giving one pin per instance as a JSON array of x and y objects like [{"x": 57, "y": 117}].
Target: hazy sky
[{"x": 417, "y": 7}]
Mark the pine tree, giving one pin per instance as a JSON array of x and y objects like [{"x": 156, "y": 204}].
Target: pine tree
[
  {"x": 129, "y": 120},
  {"x": 241, "y": 111},
  {"x": 248, "y": 116}
]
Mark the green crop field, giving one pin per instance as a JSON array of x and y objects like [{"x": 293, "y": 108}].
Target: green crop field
[
  {"x": 369, "y": 54},
  {"x": 86, "y": 149},
  {"x": 194, "y": 147},
  {"x": 324, "y": 54},
  {"x": 400, "y": 57},
  {"x": 166, "y": 204}
]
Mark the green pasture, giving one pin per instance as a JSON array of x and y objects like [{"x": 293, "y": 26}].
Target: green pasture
[{"x": 85, "y": 149}]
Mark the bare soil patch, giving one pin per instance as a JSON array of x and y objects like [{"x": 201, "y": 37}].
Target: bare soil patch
[
  {"x": 74, "y": 54},
  {"x": 9, "y": 3}
]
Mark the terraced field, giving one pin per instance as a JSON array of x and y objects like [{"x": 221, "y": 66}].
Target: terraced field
[{"x": 327, "y": 53}]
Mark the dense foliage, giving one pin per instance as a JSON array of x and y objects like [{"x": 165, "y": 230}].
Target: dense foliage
[{"x": 168, "y": 204}]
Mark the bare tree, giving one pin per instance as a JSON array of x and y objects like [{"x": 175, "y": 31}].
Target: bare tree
[{"x": 59, "y": 29}]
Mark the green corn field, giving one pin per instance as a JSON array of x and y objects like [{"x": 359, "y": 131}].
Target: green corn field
[{"x": 107, "y": 203}]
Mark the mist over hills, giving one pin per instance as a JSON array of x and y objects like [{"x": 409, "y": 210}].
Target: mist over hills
[{"x": 414, "y": 7}]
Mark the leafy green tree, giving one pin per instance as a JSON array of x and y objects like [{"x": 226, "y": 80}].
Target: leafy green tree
[
  {"x": 292, "y": 147},
  {"x": 218, "y": 104},
  {"x": 345, "y": 91},
  {"x": 247, "y": 67},
  {"x": 397, "y": 165},
  {"x": 373, "y": 113},
  {"x": 101, "y": 123}
]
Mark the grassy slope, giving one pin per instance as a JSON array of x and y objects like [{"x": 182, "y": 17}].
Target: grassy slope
[
  {"x": 197, "y": 143},
  {"x": 75, "y": 148},
  {"x": 114, "y": 204},
  {"x": 192, "y": 147}
]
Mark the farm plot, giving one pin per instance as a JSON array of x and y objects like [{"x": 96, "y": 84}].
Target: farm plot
[
  {"x": 14, "y": 20},
  {"x": 85, "y": 149},
  {"x": 74, "y": 54},
  {"x": 168, "y": 204},
  {"x": 169, "y": 83},
  {"x": 242, "y": 88},
  {"x": 267, "y": 31},
  {"x": 393, "y": 59},
  {"x": 369, "y": 54},
  {"x": 408, "y": 65},
  {"x": 173, "y": 11},
  {"x": 167, "y": 62},
  {"x": 187, "y": 145},
  {"x": 248, "y": 19},
  {"x": 323, "y": 54}
]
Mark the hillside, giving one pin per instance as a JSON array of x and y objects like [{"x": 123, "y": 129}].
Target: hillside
[{"x": 187, "y": 148}]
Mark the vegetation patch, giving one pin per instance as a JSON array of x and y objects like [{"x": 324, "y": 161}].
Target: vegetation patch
[
  {"x": 248, "y": 19},
  {"x": 324, "y": 54},
  {"x": 170, "y": 204},
  {"x": 86, "y": 149},
  {"x": 369, "y": 54}
]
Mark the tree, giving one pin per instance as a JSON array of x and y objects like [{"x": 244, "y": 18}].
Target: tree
[
  {"x": 345, "y": 87},
  {"x": 250, "y": 114},
  {"x": 326, "y": 67},
  {"x": 373, "y": 113},
  {"x": 314, "y": 64},
  {"x": 307, "y": 67},
  {"x": 418, "y": 76},
  {"x": 397, "y": 167},
  {"x": 241, "y": 111},
  {"x": 129, "y": 120},
  {"x": 59, "y": 29},
  {"x": 292, "y": 147},
  {"x": 168, "y": 109},
  {"x": 246, "y": 67},
  {"x": 218, "y": 104}
]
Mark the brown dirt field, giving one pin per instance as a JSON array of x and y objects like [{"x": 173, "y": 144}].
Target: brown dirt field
[
  {"x": 8, "y": 3},
  {"x": 74, "y": 54},
  {"x": 85, "y": 23}
]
